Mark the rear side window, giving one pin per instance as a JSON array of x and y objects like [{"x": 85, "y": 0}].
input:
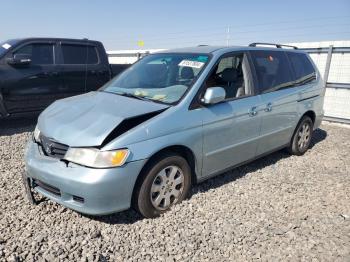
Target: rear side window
[
  {"x": 303, "y": 69},
  {"x": 273, "y": 71},
  {"x": 41, "y": 54},
  {"x": 79, "y": 54},
  {"x": 92, "y": 57}
]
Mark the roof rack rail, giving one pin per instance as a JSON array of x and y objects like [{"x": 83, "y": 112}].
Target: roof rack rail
[{"x": 276, "y": 45}]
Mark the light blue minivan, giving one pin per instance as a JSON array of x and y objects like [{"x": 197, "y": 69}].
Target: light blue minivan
[{"x": 171, "y": 120}]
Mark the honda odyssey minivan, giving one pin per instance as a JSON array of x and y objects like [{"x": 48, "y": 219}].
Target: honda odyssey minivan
[{"x": 171, "y": 120}]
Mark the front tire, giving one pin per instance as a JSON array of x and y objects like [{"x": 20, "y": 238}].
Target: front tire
[
  {"x": 165, "y": 182},
  {"x": 302, "y": 137}
]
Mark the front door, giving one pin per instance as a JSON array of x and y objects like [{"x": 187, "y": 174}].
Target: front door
[
  {"x": 231, "y": 128},
  {"x": 32, "y": 87}
]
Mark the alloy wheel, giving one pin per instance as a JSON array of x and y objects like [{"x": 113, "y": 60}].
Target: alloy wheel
[
  {"x": 167, "y": 187},
  {"x": 304, "y": 136}
]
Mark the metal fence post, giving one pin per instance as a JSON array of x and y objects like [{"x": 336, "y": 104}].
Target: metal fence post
[{"x": 328, "y": 65}]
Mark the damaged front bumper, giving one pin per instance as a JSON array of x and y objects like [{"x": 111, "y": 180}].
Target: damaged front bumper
[{"x": 87, "y": 190}]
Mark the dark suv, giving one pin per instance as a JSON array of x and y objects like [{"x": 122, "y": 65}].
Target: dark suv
[{"x": 34, "y": 72}]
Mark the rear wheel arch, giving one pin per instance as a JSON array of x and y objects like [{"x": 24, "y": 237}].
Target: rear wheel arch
[
  {"x": 306, "y": 123},
  {"x": 310, "y": 114}
]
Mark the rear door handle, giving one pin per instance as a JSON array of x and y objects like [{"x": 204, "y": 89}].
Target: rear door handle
[
  {"x": 268, "y": 107},
  {"x": 253, "y": 111}
]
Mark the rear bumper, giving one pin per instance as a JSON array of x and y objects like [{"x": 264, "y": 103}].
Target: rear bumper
[{"x": 87, "y": 190}]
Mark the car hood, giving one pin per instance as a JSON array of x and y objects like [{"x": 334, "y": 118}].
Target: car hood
[{"x": 86, "y": 120}]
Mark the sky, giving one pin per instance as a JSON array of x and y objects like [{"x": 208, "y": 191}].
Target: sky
[{"x": 177, "y": 23}]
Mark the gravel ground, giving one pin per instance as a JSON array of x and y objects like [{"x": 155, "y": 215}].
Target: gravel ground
[{"x": 277, "y": 208}]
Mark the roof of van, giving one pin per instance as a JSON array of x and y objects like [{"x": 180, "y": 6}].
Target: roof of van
[
  {"x": 46, "y": 39},
  {"x": 206, "y": 49}
]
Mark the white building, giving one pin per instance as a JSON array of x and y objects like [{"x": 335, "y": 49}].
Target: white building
[
  {"x": 128, "y": 56},
  {"x": 337, "y": 98}
]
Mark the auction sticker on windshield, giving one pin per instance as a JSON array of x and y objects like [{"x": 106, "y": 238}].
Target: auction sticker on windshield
[
  {"x": 189, "y": 63},
  {"x": 6, "y": 46}
]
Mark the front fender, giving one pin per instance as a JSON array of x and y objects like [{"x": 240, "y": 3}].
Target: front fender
[
  {"x": 3, "y": 111},
  {"x": 190, "y": 138}
]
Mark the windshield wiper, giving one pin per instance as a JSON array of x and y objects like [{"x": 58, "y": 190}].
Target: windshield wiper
[
  {"x": 144, "y": 98},
  {"x": 134, "y": 96},
  {"x": 129, "y": 95}
]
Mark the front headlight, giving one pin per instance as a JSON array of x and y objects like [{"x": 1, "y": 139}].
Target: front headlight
[
  {"x": 36, "y": 134},
  {"x": 93, "y": 157}
]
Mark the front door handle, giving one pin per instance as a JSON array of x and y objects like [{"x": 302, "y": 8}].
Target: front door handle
[
  {"x": 253, "y": 111},
  {"x": 268, "y": 107}
]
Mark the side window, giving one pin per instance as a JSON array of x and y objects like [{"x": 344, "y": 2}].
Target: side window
[
  {"x": 79, "y": 54},
  {"x": 272, "y": 70},
  {"x": 73, "y": 54},
  {"x": 231, "y": 74},
  {"x": 92, "y": 57},
  {"x": 304, "y": 70},
  {"x": 42, "y": 54}
]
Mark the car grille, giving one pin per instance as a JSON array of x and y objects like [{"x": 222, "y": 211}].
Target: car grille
[{"x": 52, "y": 148}]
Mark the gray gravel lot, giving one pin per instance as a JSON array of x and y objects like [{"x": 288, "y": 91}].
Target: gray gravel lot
[{"x": 278, "y": 208}]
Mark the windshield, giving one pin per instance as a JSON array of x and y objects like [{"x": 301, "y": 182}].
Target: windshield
[{"x": 159, "y": 77}]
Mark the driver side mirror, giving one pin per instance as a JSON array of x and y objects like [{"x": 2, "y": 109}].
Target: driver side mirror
[
  {"x": 20, "y": 59},
  {"x": 213, "y": 95}
]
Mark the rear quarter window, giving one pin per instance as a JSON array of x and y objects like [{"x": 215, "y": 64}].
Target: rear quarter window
[
  {"x": 303, "y": 68},
  {"x": 272, "y": 69}
]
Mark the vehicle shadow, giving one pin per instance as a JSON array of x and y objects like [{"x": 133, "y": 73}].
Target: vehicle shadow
[
  {"x": 9, "y": 127},
  {"x": 127, "y": 217},
  {"x": 317, "y": 136},
  {"x": 236, "y": 173},
  {"x": 131, "y": 216}
]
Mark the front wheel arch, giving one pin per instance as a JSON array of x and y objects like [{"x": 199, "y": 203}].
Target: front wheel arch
[
  {"x": 181, "y": 150},
  {"x": 140, "y": 201},
  {"x": 3, "y": 111}
]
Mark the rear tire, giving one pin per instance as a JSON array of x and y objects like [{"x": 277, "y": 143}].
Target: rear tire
[
  {"x": 302, "y": 137},
  {"x": 165, "y": 182}
]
